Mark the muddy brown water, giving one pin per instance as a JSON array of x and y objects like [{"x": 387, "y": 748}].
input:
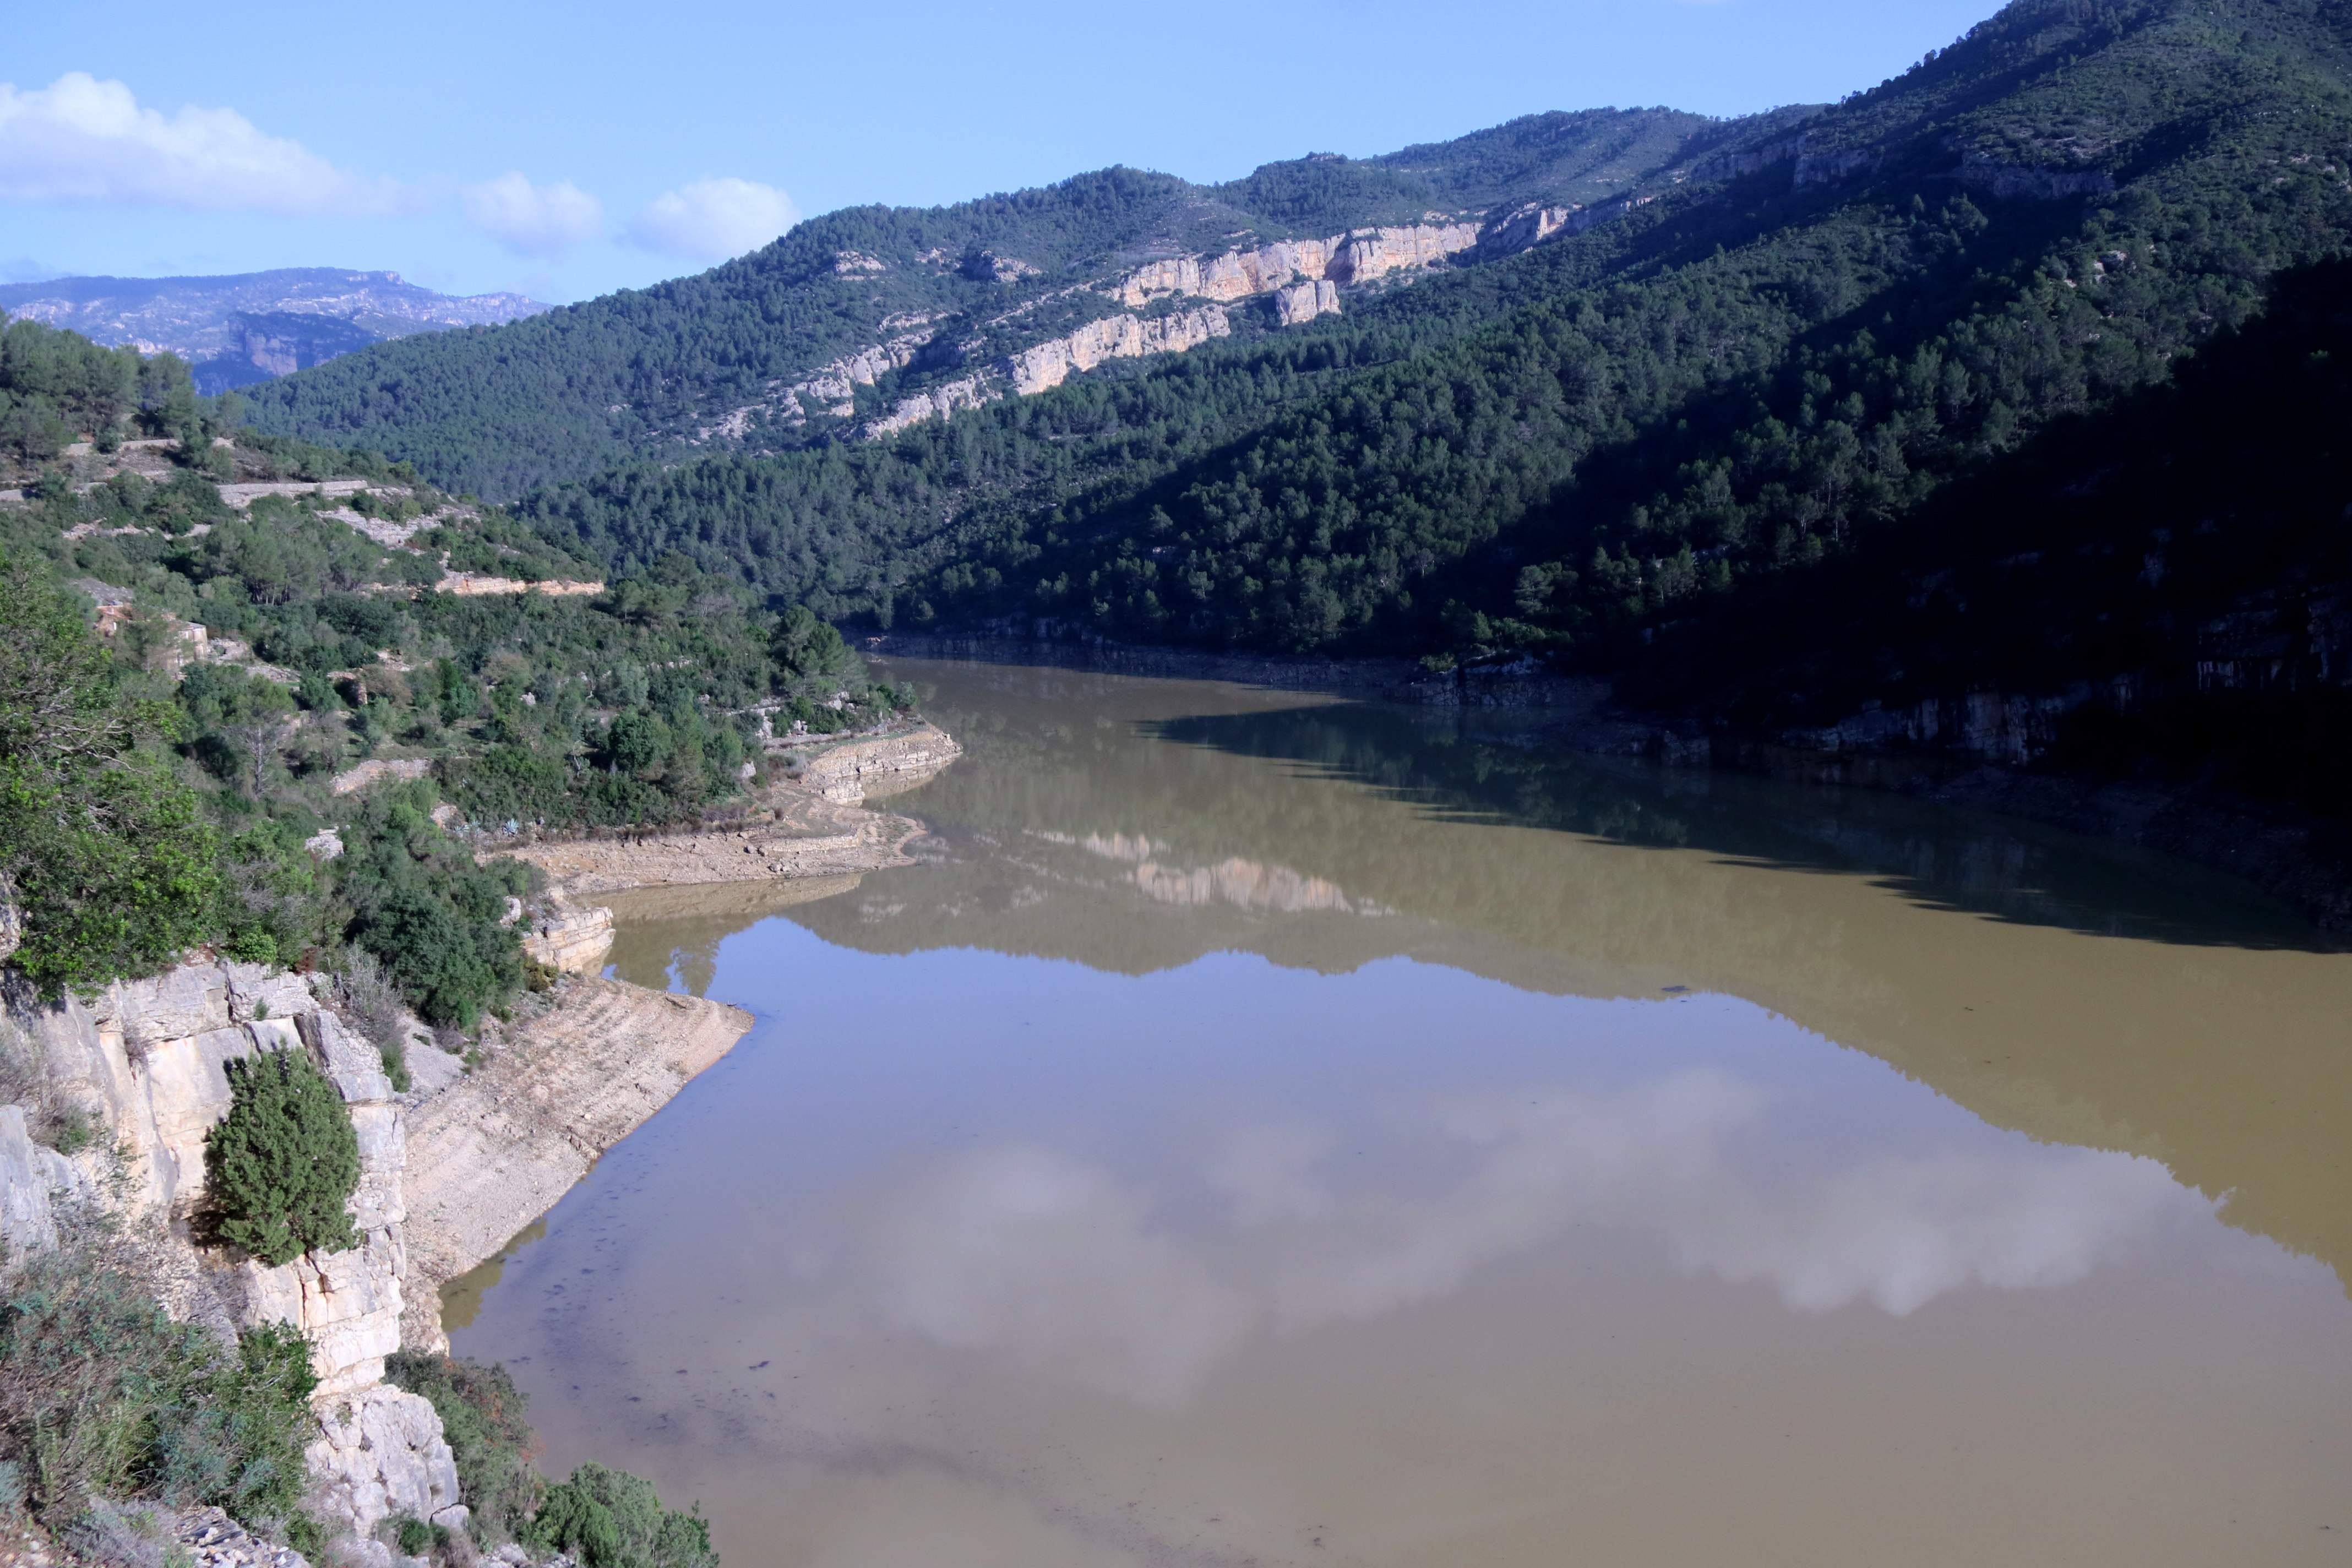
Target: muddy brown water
[{"x": 1271, "y": 1132}]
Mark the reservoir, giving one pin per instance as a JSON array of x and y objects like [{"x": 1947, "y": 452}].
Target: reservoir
[{"x": 1269, "y": 1131}]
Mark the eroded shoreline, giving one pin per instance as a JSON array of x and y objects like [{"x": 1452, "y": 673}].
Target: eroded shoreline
[
  {"x": 815, "y": 825},
  {"x": 498, "y": 1148}
]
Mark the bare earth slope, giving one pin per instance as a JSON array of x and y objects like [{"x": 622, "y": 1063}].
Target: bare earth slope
[
  {"x": 501, "y": 1145},
  {"x": 815, "y": 828}
]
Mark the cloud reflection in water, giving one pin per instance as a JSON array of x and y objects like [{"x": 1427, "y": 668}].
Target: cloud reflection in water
[{"x": 1022, "y": 1252}]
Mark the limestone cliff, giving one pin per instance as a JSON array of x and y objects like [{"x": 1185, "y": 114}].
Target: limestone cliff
[
  {"x": 1114, "y": 337},
  {"x": 1302, "y": 302},
  {"x": 148, "y": 1059},
  {"x": 1303, "y": 278},
  {"x": 937, "y": 403}
]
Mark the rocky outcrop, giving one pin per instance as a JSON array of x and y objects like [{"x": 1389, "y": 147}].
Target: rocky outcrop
[
  {"x": 32, "y": 1179},
  {"x": 1532, "y": 225},
  {"x": 150, "y": 1059},
  {"x": 1050, "y": 364},
  {"x": 833, "y": 389},
  {"x": 1734, "y": 163},
  {"x": 1357, "y": 257},
  {"x": 573, "y": 940},
  {"x": 473, "y": 584},
  {"x": 1834, "y": 165},
  {"x": 854, "y": 771},
  {"x": 987, "y": 267},
  {"x": 243, "y": 495},
  {"x": 1376, "y": 253},
  {"x": 360, "y": 776},
  {"x": 937, "y": 403},
  {"x": 2012, "y": 182},
  {"x": 1302, "y": 302},
  {"x": 381, "y": 1455}
]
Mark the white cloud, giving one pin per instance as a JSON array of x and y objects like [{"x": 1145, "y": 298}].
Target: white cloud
[
  {"x": 81, "y": 139},
  {"x": 711, "y": 220},
  {"x": 533, "y": 220}
]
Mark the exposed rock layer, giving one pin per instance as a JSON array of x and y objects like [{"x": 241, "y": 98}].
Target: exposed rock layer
[
  {"x": 498, "y": 1148},
  {"x": 817, "y": 829}
]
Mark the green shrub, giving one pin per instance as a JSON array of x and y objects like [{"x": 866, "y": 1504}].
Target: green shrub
[
  {"x": 281, "y": 1166},
  {"x": 240, "y": 1445},
  {"x": 113, "y": 864},
  {"x": 610, "y": 1519},
  {"x": 420, "y": 906},
  {"x": 483, "y": 1416},
  {"x": 102, "y": 1394}
]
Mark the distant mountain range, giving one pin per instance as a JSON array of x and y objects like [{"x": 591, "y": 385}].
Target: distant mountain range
[{"x": 246, "y": 327}]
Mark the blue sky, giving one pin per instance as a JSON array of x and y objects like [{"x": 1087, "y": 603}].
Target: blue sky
[{"x": 564, "y": 151}]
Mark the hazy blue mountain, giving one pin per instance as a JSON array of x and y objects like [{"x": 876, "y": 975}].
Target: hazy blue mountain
[{"x": 242, "y": 328}]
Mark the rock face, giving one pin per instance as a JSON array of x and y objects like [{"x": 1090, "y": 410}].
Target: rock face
[
  {"x": 574, "y": 941},
  {"x": 470, "y": 584},
  {"x": 380, "y": 1455},
  {"x": 1358, "y": 257},
  {"x": 966, "y": 391},
  {"x": 1302, "y": 302},
  {"x": 1050, "y": 364},
  {"x": 2012, "y": 182},
  {"x": 1379, "y": 252},
  {"x": 150, "y": 1058},
  {"x": 31, "y": 1179},
  {"x": 358, "y": 776}
]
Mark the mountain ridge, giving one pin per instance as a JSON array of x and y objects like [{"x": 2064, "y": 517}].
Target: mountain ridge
[
  {"x": 237, "y": 329},
  {"x": 850, "y": 323}
]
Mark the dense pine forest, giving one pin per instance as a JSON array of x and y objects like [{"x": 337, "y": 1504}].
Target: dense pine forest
[{"x": 1822, "y": 322}]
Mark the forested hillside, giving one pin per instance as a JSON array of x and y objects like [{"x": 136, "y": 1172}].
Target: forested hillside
[
  {"x": 916, "y": 294},
  {"x": 1591, "y": 447},
  {"x": 1736, "y": 380},
  {"x": 271, "y": 614}
]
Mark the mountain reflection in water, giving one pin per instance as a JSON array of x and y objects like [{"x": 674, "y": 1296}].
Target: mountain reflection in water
[{"x": 1277, "y": 1131}]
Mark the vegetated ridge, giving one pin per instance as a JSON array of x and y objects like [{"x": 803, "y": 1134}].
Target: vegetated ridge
[{"x": 1587, "y": 444}]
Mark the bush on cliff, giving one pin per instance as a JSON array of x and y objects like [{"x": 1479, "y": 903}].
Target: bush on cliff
[
  {"x": 483, "y": 1416},
  {"x": 281, "y": 1166},
  {"x": 610, "y": 1519},
  {"x": 103, "y": 1397}
]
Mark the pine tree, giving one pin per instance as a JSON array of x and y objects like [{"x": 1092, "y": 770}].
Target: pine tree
[{"x": 282, "y": 1166}]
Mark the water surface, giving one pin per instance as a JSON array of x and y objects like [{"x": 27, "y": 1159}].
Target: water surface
[{"x": 1268, "y": 1131}]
